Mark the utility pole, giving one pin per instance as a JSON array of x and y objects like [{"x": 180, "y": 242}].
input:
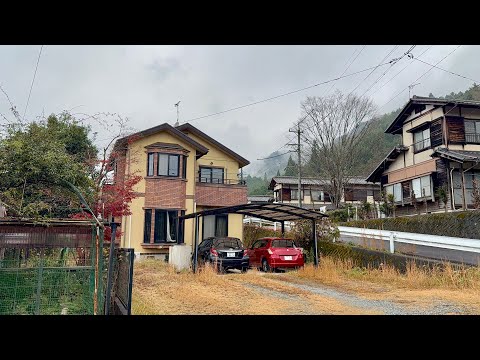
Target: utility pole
[{"x": 298, "y": 131}]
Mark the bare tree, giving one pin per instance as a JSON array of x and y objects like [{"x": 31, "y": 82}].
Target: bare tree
[{"x": 333, "y": 129}]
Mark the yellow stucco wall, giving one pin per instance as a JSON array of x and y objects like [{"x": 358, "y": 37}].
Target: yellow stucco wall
[{"x": 216, "y": 157}]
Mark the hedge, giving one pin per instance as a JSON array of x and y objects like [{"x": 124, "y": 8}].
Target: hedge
[{"x": 465, "y": 224}]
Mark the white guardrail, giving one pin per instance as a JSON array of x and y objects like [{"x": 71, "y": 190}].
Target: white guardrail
[{"x": 443, "y": 242}]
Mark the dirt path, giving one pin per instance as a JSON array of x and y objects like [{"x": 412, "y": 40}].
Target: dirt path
[{"x": 438, "y": 307}]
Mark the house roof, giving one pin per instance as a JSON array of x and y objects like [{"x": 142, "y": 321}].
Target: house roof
[
  {"x": 293, "y": 180},
  {"x": 415, "y": 101},
  {"x": 376, "y": 174},
  {"x": 457, "y": 155},
  {"x": 260, "y": 198},
  {"x": 189, "y": 128},
  {"x": 201, "y": 150}
]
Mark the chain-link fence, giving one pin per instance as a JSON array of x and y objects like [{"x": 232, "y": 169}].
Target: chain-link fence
[{"x": 51, "y": 268}]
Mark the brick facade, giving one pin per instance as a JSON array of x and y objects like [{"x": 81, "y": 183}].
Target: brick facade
[
  {"x": 220, "y": 195},
  {"x": 165, "y": 193}
]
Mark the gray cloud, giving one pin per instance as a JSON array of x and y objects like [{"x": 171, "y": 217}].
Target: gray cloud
[{"x": 143, "y": 83}]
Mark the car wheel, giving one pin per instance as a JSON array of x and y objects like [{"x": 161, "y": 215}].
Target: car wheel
[
  {"x": 265, "y": 266},
  {"x": 244, "y": 269}
]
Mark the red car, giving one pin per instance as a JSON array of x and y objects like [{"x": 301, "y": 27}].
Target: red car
[{"x": 272, "y": 253}]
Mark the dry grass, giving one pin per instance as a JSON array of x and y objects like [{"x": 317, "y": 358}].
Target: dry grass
[
  {"x": 419, "y": 286},
  {"x": 332, "y": 271},
  {"x": 158, "y": 289}
]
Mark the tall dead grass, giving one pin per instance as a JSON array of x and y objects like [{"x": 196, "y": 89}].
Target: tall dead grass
[{"x": 336, "y": 271}]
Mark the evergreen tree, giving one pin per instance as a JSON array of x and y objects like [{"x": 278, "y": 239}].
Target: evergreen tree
[
  {"x": 278, "y": 172},
  {"x": 291, "y": 169}
]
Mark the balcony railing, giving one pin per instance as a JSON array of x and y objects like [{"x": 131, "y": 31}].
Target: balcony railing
[
  {"x": 209, "y": 180},
  {"x": 472, "y": 138},
  {"x": 421, "y": 145}
]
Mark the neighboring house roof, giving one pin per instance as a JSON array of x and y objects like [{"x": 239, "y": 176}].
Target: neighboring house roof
[
  {"x": 293, "y": 180},
  {"x": 261, "y": 198},
  {"x": 201, "y": 150},
  {"x": 385, "y": 163},
  {"x": 192, "y": 129},
  {"x": 457, "y": 155},
  {"x": 415, "y": 101}
]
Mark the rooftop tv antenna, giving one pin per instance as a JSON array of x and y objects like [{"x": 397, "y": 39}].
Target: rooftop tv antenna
[
  {"x": 410, "y": 87},
  {"x": 176, "y": 105}
]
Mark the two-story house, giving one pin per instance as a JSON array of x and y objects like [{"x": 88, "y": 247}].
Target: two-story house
[
  {"x": 314, "y": 194},
  {"x": 184, "y": 171},
  {"x": 440, "y": 148}
]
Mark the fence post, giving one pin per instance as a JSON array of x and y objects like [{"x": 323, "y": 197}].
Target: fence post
[
  {"x": 111, "y": 257},
  {"x": 39, "y": 283},
  {"x": 392, "y": 242}
]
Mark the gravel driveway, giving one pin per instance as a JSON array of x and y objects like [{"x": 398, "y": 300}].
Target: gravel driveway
[{"x": 387, "y": 307}]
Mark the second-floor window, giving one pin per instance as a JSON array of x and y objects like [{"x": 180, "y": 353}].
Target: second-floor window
[
  {"x": 294, "y": 194},
  {"x": 211, "y": 175},
  {"x": 150, "y": 164},
  {"x": 421, "y": 140},
  {"x": 472, "y": 131},
  {"x": 168, "y": 165}
]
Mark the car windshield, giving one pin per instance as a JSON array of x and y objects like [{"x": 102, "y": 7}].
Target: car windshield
[
  {"x": 283, "y": 243},
  {"x": 227, "y": 243}
]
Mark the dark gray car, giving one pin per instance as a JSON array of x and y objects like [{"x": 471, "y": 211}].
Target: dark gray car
[{"x": 223, "y": 252}]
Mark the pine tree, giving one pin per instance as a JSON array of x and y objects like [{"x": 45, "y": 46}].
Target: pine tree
[
  {"x": 291, "y": 169},
  {"x": 278, "y": 172}
]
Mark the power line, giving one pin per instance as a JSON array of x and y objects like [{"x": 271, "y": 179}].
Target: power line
[
  {"x": 392, "y": 65},
  {"x": 410, "y": 63},
  {"x": 426, "y": 72},
  {"x": 288, "y": 93},
  {"x": 33, "y": 81},
  {"x": 447, "y": 71},
  {"x": 271, "y": 157},
  {"x": 375, "y": 68},
  {"x": 344, "y": 71}
]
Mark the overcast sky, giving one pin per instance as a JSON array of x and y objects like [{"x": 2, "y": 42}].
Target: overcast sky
[{"x": 144, "y": 82}]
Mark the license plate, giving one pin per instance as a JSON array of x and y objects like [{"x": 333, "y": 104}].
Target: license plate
[
  {"x": 230, "y": 254},
  {"x": 288, "y": 258}
]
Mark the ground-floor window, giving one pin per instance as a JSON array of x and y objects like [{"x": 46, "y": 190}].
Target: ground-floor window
[
  {"x": 421, "y": 187},
  {"x": 165, "y": 226},
  {"x": 457, "y": 186},
  {"x": 215, "y": 225}
]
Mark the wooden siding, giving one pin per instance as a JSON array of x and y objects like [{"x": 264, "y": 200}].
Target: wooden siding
[
  {"x": 410, "y": 172},
  {"x": 456, "y": 129},
  {"x": 285, "y": 194},
  {"x": 436, "y": 132}
]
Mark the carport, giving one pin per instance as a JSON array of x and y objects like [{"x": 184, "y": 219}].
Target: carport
[{"x": 267, "y": 211}]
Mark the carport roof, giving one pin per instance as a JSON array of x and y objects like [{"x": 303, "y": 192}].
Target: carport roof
[{"x": 267, "y": 211}]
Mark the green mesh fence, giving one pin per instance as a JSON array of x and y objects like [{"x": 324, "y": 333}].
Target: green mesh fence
[{"x": 50, "y": 269}]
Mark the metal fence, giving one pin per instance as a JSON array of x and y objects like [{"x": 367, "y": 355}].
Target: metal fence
[
  {"x": 449, "y": 248},
  {"x": 50, "y": 268},
  {"x": 120, "y": 302},
  {"x": 53, "y": 268}
]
